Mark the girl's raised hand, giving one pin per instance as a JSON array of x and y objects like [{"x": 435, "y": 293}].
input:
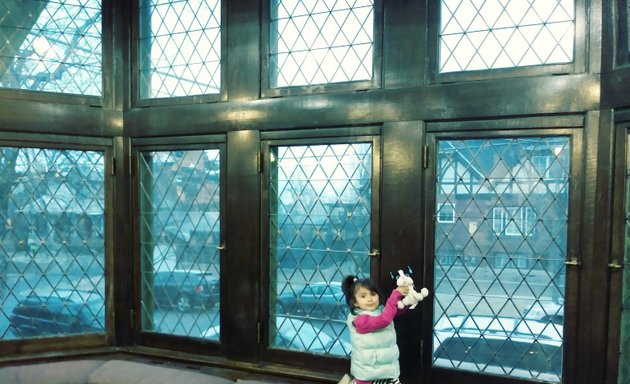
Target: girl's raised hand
[{"x": 403, "y": 290}]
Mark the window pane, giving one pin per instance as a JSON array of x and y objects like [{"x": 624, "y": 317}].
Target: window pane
[
  {"x": 446, "y": 213},
  {"x": 624, "y": 350},
  {"x": 180, "y": 235},
  {"x": 52, "y": 280},
  {"x": 180, "y": 48},
  {"x": 52, "y": 46},
  {"x": 479, "y": 35},
  {"x": 498, "y": 220},
  {"x": 320, "y": 42},
  {"x": 499, "y": 305},
  {"x": 320, "y": 217}
]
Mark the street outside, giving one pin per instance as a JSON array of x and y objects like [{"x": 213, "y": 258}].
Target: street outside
[{"x": 461, "y": 292}]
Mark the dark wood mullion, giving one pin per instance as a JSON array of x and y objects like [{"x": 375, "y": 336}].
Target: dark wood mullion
[
  {"x": 623, "y": 32},
  {"x": 595, "y": 243},
  {"x": 242, "y": 57},
  {"x": 401, "y": 229},
  {"x": 120, "y": 247},
  {"x": 240, "y": 275},
  {"x": 119, "y": 219},
  {"x": 404, "y": 44}
]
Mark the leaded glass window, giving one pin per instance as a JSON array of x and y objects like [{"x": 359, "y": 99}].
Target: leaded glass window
[
  {"x": 499, "y": 288},
  {"x": 624, "y": 350},
  {"x": 320, "y": 42},
  {"x": 480, "y": 35},
  {"x": 320, "y": 220},
  {"x": 180, "y": 238},
  {"x": 179, "y": 48},
  {"x": 52, "y": 253},
  {"x": 51, "y": 46}
]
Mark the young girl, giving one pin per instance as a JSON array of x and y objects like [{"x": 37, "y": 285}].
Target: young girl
[{"x": 374, "y": 357}]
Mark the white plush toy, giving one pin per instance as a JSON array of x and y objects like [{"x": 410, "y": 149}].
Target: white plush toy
[{"x": 414, "y": 297}]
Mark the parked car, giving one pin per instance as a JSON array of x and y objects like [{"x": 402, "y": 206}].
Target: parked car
[
  {"x": 499, "y": 345},
  {"x": 185, "y": 289},
  {"x": 188, "y": 234},
  {"x": 299, "y": 335},
  {"x": 547, "y": 312},
  {"x": 62, "y": 312},
  {"x": 317, "y": 300}
]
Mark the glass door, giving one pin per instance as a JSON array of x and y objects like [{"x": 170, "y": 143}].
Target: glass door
[
  {"x": 180, "y": 235},
  {"x": 320, "y": 215}
]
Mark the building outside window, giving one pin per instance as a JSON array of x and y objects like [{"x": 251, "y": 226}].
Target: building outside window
[
  {"x": 446, "y": 213},
  {"x": 513, "y": 221},
  {"x": 52, "y": 254},
  {"x": 498, "y": 304}
]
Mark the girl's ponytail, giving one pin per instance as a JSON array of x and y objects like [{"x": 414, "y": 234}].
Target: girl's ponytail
[{"x": 348, "y": 290}]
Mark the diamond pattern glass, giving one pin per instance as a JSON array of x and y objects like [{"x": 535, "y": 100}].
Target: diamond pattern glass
[
  {"x": 180, "y": 235},
  {"x": 52, "y": 280},
  {"x": 51, "y": 46},
  {"x": 180, "y": 48},
  {"x": 491, "y": 34},
  {"x": 499, "y": 266},
  {"x": 320, "y": 42},
  {"x": 320, "y": 217},
  {"x": 624, "y": 350}
]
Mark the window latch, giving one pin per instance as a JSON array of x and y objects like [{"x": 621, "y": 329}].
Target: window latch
[
  {"x": 573, "y": 262},
  {"x": 615, "y": 265}
]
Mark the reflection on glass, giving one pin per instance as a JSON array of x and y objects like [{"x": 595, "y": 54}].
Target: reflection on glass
[
  {"x": 320, "y": 217},
  {"x": 52, "y": 280},
  {"x": 499, "y": 265},
  {"x": 180, "y": 235}
]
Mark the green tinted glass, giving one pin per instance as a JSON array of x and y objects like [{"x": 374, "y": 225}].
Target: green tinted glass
[
  {"x": 180, "y": 234},
  {"x": 52, "y": 253},
  {"x": 320, "y": 218},
  {"x": 499, "y": 262}
]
